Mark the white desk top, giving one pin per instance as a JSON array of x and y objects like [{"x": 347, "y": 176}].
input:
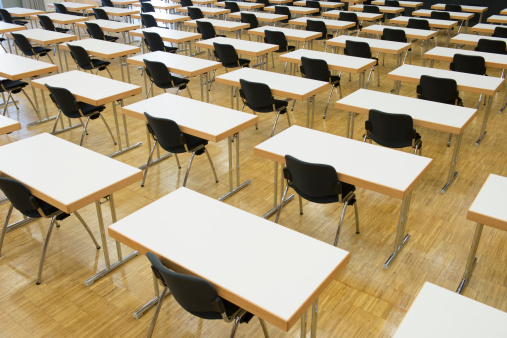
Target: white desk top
[
  {"x": 124, "y": 2},
  {"x": 480, "y": 84},
  {"x": 294, "y": 9},
  {"x": 8, "y": 125},
  {"x": 117, "y": 11},
  {"x": 45, "y": 37},
  {"x": 206, "y": 10},
  {"x": 293, "y": 87},
  {"x": 179, "y": 64},
  {"x": 413, "y": 4},
  {"x": 79, "y": 177},
  {"x": 290, "y": 34},
  {"x": 345, "y": 63},
  {"x": 164, "y": 17},
  {"x": 438, "y": 116},
  {"x": 267, "y": 261},
  {"x": 330, "y": 23},
  {"x": 10, "y": 27},
  {"x": 262, "y": 17},
  {"x": 360, "y": 15},
  {"x": 74, "y": 5},
  {"x": 472, "y": 39},
  {"x": 15, "y": 67},
  {"x": 488, "y": 28},
  {"x": 89, "y": 88},
  {"x": 159, "y": 5},
  {"x": 447, "y": 54},
  {"x": 201, "y": 119},
  {"x": 394, "y": 173},
  {"x": 323, "y": 4},
  {"x": 242, "y": 46},
  {"x": 383, "y": 46},
  {"x": 241, "y": 4},
  {"x": 62, "y": 18},
  {"x": 436, "y": 23},
  {"x": 383, "y": 9},
  {"x": 488, "y": 207},
  {"x": 498, "y": 18},
  {"x": 220, "y": 24},
  {"x": 103, "y": 49},
  {"x": 169, "y": 35},
  {"x": 411, "y": 33},
  {"x": 111, "y": 26},
  {"x": 464, "y": 8},
  {"x": 503, "y": 12},
  {"x": 440, "y": 313},
  {"x": 23, "y": 12},
  {"x": 454, "y": 15}
]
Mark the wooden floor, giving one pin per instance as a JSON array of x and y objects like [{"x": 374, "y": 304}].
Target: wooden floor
[{"x": 364, "y": 301}]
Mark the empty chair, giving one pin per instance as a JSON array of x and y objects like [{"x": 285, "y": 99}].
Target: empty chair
[
  {"x": 149, "y": 21},
  {"x": 264, "y": 2},
  {"x": 47, "y": 24},
  {"x": 228, "y": 56},
  {"x": 30, "y": 206},
  {"x": 392, "y": 3},
  {"x": 60, "y": 8},
  {"x": 318, "y": 183},
  {"x": 440, "y": 15},
  {"x": 453, "y": 8},
  {"x": 251, "y": 19},
  {"x": 472, "y": 64},
  {"x": 100, "y": 14},
  {"x": 162, "y": 78},
  {"x": 278, "y": 38},
  {"x": 418, "y": 24},
  {"x": 147, "y": 7},
  {"x": 186, "y": 3},
  {"x": 314, "y": 4},
  {"x": 207, "y": 30},
  {"x": 73, "y": 109},
  {"x": 258, "y": 97},
  {"x": 318, "y": 26},
  {"x": 195, "y": 13},
  {"x": 392, "y": 130},
  {"x": 491, "y": 46},
  {"x": 13, "y": 87},
  {"x": 500, "y": 32},
  {"x": 233, "y": 6},
  {"x": 155, "y": 43},
  {"x": 438, "y": 89},
  {"x": 362, "y": 49},
  {"x": 371, "y": 9},
  {"x": 397, "y": 35},
  {"x": 97, "y": 33},
  {"x": 83, "y": 60},
  {"x": 27, "y": 49},
  {"x": 198, "y": 297},
  {"x": 107, "y": 3},
  {"x": 168, "y": 135},
  {"x": 283, "y": 10},
  {"x": 7, "y": 18},
  {"x": 352, "y": 17}
]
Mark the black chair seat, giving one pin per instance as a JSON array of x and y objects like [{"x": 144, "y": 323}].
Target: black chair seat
[
  {"x": 20, "y": 22},
  {"x": 192, "y": 143},
  {"x": 335, "y": 80},
  {"x": 328, "y": 36},
  {"x": 346, "y": 188},
  {"x": 176, "y": 82},
  {"x": 170, "y": 49},
  {"x": 286, "y": 49},
  {"x": 61, "y": 30},
  {"x": 397, "y": 143},
  {"x": 279, "y": 104},
  {"x": 241, "y": 62},
  {"x": 38, "y": 50},
  {"x": 88, "y": 110},
  {"x": 14, "y": 86},
  {"x": 100, "y": 64},
  {"x": 111, "y": 38}
]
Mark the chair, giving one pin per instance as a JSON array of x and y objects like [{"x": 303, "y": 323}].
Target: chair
[
  {"x": 318, "y": 183},
  {"x": 278, "y": 38},
  {"x": 314, "y": 4},
  {"x": 392, "y": 130},
  {"x": 207, "y": 30},
  {"x": 186, "y": 3},
  {"x": 317, "y": 69},
  {"x": 251, "y": 19},
  {"x": 27, "y": 49},
  {"x": 162, "y": 78},
  {"x": 318, "y": 26},
  {"x": 97, "y": 33},
  {"x": 149, "y": 21},
  {"x": 30, "y": 206},
  {"x": 107, "y": 3},
  {"x": 440, "y": 15},
  {"x": 155, "y": 43},
  {"x": 67, "y": 104},
  {"x": 195, "y": 13},
  {"x": 7, "y": 18},
  {"x": 13, "y": 87},
  {"x": 198, "y": 297},
  {"x": 471, "y": 64},
  {"x": 258, "y": 97},
  {"x": 47, "y": 24},
  {"x": 233, "y": 6},
  {"x": 453, "y": 8},
  {"x": 83, "y": 60},
  {"x": 420, "y": 24},
  {"x": 352, "y": 17},
  {"x": 392, "y": 3},
  {"x": 100, "y": 14},
  {"x": 264, "y": 2},
  {"x": 362, "y": 49},
  {"x": 500, "y": 32},
  {"x": 397, "y": 35},
  {"x": 283, "y": 10},
  {"x": 371, "y": 9},
  {"x": 147, "y": 7},
  {"x": 491, "y": 46},
  {"x": 228, "y": 56},
  {"x": 60, "y": 8},
  {"x": 168, "y": 135}
]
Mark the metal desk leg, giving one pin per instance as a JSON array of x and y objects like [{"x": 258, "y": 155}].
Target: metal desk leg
[
  {"x": 401, "y": 238},
  {"x": 315, "y": 311},
  {"x": 448, "y": 37},
  {"x": 139, "y": 313},
  {"x": 232, "y": 189},
  {"x": 485, "y": 120},
  {"x": 117, "y": 126},
  {"x": 472, "y": 260},
  {"x": 207, "y": 91},
  {"x": 202, "y": 89},
  {"x": 350, "y": 125},
  {"x": 310, "y": 111},
  {"x": 276, "y": 205},
  {"x": 127, "y": 67},
  {"x": 59, "y": 56},
  {"x": 452, "y": 169},
  {"x": 121, "y": 68},
  {"x": 41, "y": 120},
  {"x": 303, "y": 325}
]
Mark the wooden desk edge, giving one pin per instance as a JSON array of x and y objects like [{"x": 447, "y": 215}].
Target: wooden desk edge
[
  {"x": 133, "y": 50},
  {"x": 202, "y": 44},
  {"x": 10, "y": 128},
  {"x": 486, "y": 220},
  {"x": 50, "y": 69},
  {"x": 283, "y": 58}
]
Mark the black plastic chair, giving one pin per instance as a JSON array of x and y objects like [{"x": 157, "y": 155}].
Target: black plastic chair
[
  {"x": 258, "y": 97},
  {"x": 186, "y": 3},
  {"x": 73, "y": 109},
  {"x": 198, "y": 297},
  {"x": 30, "y": 206},
  {"x": 491, "y": 46},
  {"x": 168, "y": 135},
  {"x": 278, "y": 38},
  {"x": 264, "y": 2},
  {"x": 162, "y": 78},
  {"x": 392, "y": 3},
  {"x": 100, "y": 14},
  {"x": 396, "y": 35},
  {"x": 283, "y": 10},
  {"x": 7, "y": 18},
  {"x": 155, "y": 43},
  {"x": 362, "y": 49},
  {"x": 207, "y": 30},
  {"x": 107, "y": 3},
  {"x": 317, "y": 69},
  {"x": 233, "y": 6},
  {"x": 228, "y": 56},
  {"x": 318, "y": 26},
  {"x": 83, "y": 60},
  {"x": 314, "y": 4},
  {"x": 392, "y": 130},
  {"x": 147, "y": 7},
  {"x": 371, "y": 9},
  {"x": 251, "y": 19},
  {"x": 97, "y": 33},
  {"x": 27, "y": 49},
  {"x": 420, "y": 24},
  {"x": 453, "y": 8},
  {"x": 471, "y": 64},
  {"x": 500, "y": 32},
  {"x": 318, "y": 183},
  {"x": 195, "y": 13},
  {"x": 14, "y": 87},
  {"x": 149, "y": 20},
  {"x": 352, "y": 17},
  {"x": 440, "y": 15},
  {"x": 47, "y": 24},
  {"x": 60, "y": 8}
]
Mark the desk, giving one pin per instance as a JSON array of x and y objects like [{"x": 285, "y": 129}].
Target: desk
[
  {"x": 204, "y": 120},
  {"x": 293, "y": 87},
  {"x": 360, "y": 15},
  {"x": 498, "y": 19},
  {"x": 243, "y": 47},
  {"x": 434, "y": 115},
  {"x": 76, "y": 188},
  {"x": 124, "y": 3},
  {"x": 380, "y": 46},
  {"x": 179, "y": 64},
  {"x": 446, "y": 54},
  {"x": 485, "y": 28},
  {"x": 226, "y": 26},
  {"x": 330, "y": 23},
  {"x": 75, "y": 6},
  {"x": 472, "y": 39},
  {"x": 503, "y": 12},
  {"x": 261, "y": 17},
  {"x": 18, "y": 12},
  {"x": 207, "y": 11},
  {"x": 488, "y": 209},
  {"x": 394, "y": 173},
  {"x": 274, "y": 299},
  {"x": 170, "y": 35},
  {"x": 469, "y": 9},
  {"x": 118, "y": 12},
  {"x": 438, "y": 313},
  {"x": 160, "y": 5},
  {"x": 408, "y": 4},
  {"x": 454, "y": 15},
  {"x": 106, "y": 50},
  {"x": 111, "y": 26},
  {"x": 486, "y": 85},
  {"x": 62, "y": 19},
  {"x": 95, "y": 90},
  {"x": 434, "y": 23},
  {"x": 295, "y": 9},
  {"x": 243, "y": 5},
  {"x": 165, "y": 18},
  {"x": 291, "y": 34},
  {"x": 9, "y": 27},
  {"x": 383, "y": 9},
  {"x": 323, "y": 4},
  {"x": 8, "y": 125}
]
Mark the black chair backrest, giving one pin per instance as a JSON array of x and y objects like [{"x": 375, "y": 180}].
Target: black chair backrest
[
  {"x": 226, "y": 54},
  {"x": 166, "y": 132},
  {"x": 315, "y": 69},
  {"x": 392, "y": 34},
  {"x": 349, "y": 16},
  {"x": 206, "y": 29},
  {"x": 418, "y": 24},
  {"x": 61, "y": 8},
  {"x": 392, "y": 3},
  {"x": 275, "y": 38},
  {"x": 357, "y": 48},
  {"x": 23, "y": 44},
  {"x": 46, "y": 23},
  {"x": 491, "y": 46},
  {"x": 148, "y": 20},
  {"x": 20, "y": 197},
  {"x": 63, "y": 99},
  {"x": 251, "y": 19},
  {"x": 158, "y": 72},
  {"x": 256, "y": 94},
  {"x": 107, "y": 3},
  {"x": 154, "y": 41},
  {"x": 95, "y": 30},
  {"x": 390, "y": 130},
  {"x": 500, "y": 32},
  {"x": 194, "y": 294},
  {"x": 440, "y": 15},
  {"x": 265, "y": 2},
  {"x": 371, "y": 9},
  {"x": 232, "y": 6},
  {"x": 186, "y": 3},
  {"x": 472, "y": 64},
  {"x": 80, "y": 55},
  {"x": 453, "y": 8},
  {"x": 147, "y": 7},
  {"x": 6, "y": 16},
  {"x": 438, "y": 89},
  {"x": 316, "y": 26},
  {"x": 313, "y": 4},
  {"x": 283, "y": 10},
  {"x": 100, "y": 14},
  {"x": 195, "y": 13}
]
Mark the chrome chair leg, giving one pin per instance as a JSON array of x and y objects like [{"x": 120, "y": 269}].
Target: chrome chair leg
[
  {"x": 30, "y": 100},
  {"x": 56, "y": 121},
  {"x": 157, "y": 310},
  {"x": 177, "y": 160},
  {"x": 44, "y": 249},
  {"x": 4, "y": 229},
  {"x": 149, "y": 89},
  {"x": 148, "y": 163},
  {"x": 288, "y": 118},
  {"x": 111, "y": 76},
  {"x": 449, "y": 141},
  {"x": 235, "y": 326},
  {"x": 188, "y": 168},
  {"x": 274, "y": 125},
  {"x": 341, "y": 222},
  {"x": 369, "y": 76},
  {"x": 356, "y": 212},
  {"x": 84, "y": 130},
  {"x": 281, "y": 203},
  {"x": 78, "y": 216},
  {"x": 293, "y": 104},
  {"x": 328, "y": 99},
  {"x": 211, "y": 164},
  {"x": 212, "y": 79},
  {"x": 108, "y": 129},
  {"x": 300, "y": 205}
]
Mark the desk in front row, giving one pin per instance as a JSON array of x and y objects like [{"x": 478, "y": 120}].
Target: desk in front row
[
  {"x": 8, "y": 125},
  {"x": 255, "y": 271},
  {"x": 386, "y": 171}
]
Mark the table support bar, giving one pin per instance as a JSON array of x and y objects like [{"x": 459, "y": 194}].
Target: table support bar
[
  {"x": 472, "y": 260},
  {"x": 401, "y": 238}
]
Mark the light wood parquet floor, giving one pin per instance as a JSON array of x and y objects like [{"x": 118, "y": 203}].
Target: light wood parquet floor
[{"x": 364, "y": 301}]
